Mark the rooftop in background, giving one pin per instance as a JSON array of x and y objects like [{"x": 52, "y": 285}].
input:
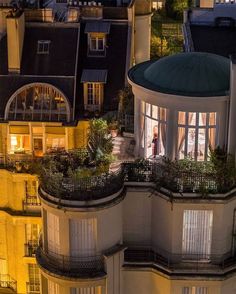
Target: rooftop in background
[
  {"x": 60, "y": 59},
  {"x": 217, "y": 40},
  {"x": 211, "y": 30}
]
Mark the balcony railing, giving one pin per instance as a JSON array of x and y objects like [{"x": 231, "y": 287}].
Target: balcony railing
[
  {"x": 30, "y": 248},
  {"x": 90, "y": 266},
  {"x": 31, "y": 203},
  {"x": 179, "y": 262},
  {"x": 173, "y": 180},
  {"x": 84, "y": 189},
  {"x": 32, "y": 288},
  {"x": 7, "y": 282}
]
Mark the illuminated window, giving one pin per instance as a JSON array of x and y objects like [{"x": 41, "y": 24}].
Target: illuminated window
[
  {"x": 19, "y": 144},
  {"x": 154, "y": 130},
  {"x": 97, "y": 44},
  {"x": 31, "y": 188},
  {"x": 43, "y": 46},
  {"x": 53, "y": 288},
  {"x": 38, "y": 102},
  {"x": 196, "y": 134},
  {"x": 55, "y": 142},
  {"x": 34, "y": 279},
  {"x": 195, "y": 290},
  {"x": 94, "y": 96},
  {"x": 90, "y": 290}
]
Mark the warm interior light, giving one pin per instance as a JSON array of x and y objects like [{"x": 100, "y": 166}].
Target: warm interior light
[{"x": 13, "y": 141}]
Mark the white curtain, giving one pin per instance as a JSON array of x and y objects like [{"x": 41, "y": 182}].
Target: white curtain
[
  {"x": 53, "y": 233},
  {"x": 90, "y": 290},
  {"x": 83, "y": 234},
  {"x": 197, "y": 234}
]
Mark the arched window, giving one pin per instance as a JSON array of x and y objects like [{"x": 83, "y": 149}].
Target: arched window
[{"x": 38, "y": 102}]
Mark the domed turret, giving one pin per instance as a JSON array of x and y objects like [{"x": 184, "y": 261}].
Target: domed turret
[{"x": 187, "y": 74}]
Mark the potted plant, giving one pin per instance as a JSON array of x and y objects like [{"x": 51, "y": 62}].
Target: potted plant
[{"x": 114, "y": 128}]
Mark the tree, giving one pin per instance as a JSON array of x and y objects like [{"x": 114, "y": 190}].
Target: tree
[
  {"x": 175, "y": 8},
  {"x": 99, "y": 140},
  {"x": 159, "y": 47}
]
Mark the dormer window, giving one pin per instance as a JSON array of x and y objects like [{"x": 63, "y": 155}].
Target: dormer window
[
  {"x": 96, "y": 43},
  {"x": 43, "y": 46},
  {"x": 97, "y": 32}
]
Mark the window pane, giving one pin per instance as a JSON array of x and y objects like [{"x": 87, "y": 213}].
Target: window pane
[
  {"x": 154, "y": 112},
  {"x": 192, "y": 118},
  {"x": 212, "y": 118},
  {"x": 202, "y": 119},
  {"x": 212, "y": 138},
  {"x": 100, "y": 44},
  {"x": 148, "y": 109},
  {"x": 201, "y": 144},
  {"x": 191, "y": 142},
  {"x": 93, "y": 44},
  {"x": 181, "y": 143},
  {"x": 182, "y": 118}
]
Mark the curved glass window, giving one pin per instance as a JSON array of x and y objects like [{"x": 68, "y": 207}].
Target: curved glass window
[
  {"x": 196, "y": 134},
  {"x": 153, "y": 124},
  {"x": 38, "y": 102}
]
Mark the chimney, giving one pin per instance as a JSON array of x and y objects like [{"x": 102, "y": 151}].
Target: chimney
[{"x": 15, "y": 39}]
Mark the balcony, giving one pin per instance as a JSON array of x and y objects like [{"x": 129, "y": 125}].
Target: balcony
[
  {"x": 85, "y": 189},
  {"x": 173, "y": 179},
  {"x": 32, "y": 288},
  {"x": 71, "y": 266},
  {"x": 8, "y": 284},
  {"x": 180, "y": 263},
  {"x": 30, "y": 248},
  {"x": 32, "y": 204}
]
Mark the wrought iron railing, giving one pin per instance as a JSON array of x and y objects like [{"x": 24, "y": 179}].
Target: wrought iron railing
[
  {"x": 7, "y": 282},
  {"x": 31, "y": 202},
  {"x": 31, "y": 247},
  {"x": 33, "y": 288},
  {"x": 191, "y": 262},
  {"x": 171, "y": 177},
  {"x": 77, "y": 266},
  {"x": 177, "y": 179},
  {"x": 84, "y": 189}
]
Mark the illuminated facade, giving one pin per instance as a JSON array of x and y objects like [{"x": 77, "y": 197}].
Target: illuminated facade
[{"x": 57, "y": 70}]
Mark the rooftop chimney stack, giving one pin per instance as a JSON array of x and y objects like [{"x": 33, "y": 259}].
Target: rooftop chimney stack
[{"x": 15, "y": 39}]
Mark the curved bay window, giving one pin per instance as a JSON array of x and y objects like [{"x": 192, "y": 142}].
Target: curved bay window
[
  {"x": 153, "y": 123},
  {"x": 196, "y": 134},
  {"x": 38, "y": 102}
]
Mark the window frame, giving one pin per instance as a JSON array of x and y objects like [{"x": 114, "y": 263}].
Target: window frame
[
  {"x": 96, "y": 39},
  {"x": 207, "y": 127},
  {"x": 43, "y": 47},
  {"x": 148, "y": 113}
]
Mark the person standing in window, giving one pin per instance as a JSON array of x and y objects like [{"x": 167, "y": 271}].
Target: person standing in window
[{"x": 155, "y": 142}]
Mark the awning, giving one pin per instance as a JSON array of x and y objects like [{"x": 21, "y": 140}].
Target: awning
[
  {"x": 97, "y": 27},
  {"x": 55, "y": 130},
  {"x": 19, "y": 129},
  {"x": 94, "y": 76}
]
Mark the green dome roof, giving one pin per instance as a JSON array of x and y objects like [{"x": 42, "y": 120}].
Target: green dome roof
[{"x": 187, "y": 74}]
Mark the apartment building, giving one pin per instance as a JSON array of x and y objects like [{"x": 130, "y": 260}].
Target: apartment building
[{"x": 58, "y": 69}]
